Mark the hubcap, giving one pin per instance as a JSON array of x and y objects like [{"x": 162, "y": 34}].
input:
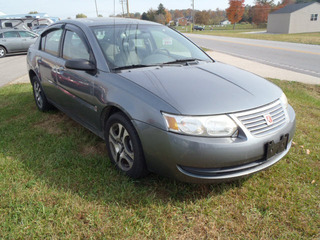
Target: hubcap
[
  {"x": 1, "y": 52},
  {"x": 121, "y": 146},
  {"x": 37, "y": 94}
]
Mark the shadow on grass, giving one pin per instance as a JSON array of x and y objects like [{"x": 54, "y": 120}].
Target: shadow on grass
[{"x": 68, "y": 157}]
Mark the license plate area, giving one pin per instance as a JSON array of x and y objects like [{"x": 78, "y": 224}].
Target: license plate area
[{"x": 273, "y": 148}]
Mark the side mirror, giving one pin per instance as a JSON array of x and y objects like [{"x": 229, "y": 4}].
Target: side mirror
[{"x": 80, "y": 64}]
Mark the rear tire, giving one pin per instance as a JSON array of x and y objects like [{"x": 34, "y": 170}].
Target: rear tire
[
  {"x": 124, "y": 147},
  {"x": 39, "y": 96},
  {"x": 3, "y": 52}
]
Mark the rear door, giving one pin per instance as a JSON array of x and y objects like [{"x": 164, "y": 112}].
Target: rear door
[
  {"x": 47, "y": 61},
  {"x": 12, "y": 41}
]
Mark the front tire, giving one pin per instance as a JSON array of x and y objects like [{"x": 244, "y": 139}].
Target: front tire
[
  {"x": 3, "y": 52},
  {"x": 124, "y": 147},
  {"x": 39, "y": 96}
]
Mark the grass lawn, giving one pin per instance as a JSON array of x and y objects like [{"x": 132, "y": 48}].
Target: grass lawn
[
  {"x": 307, "y": 38},
  {"x": 56, "y": 182}
]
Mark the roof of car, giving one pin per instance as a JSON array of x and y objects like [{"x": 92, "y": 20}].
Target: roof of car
[
  {"x": 12, "y": 29},
  {"x": 106, "y": 21}
]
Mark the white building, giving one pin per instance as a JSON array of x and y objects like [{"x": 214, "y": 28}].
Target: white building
[
  {"x": 295, "y": 18},
  {"x": 225, "y": 22}
]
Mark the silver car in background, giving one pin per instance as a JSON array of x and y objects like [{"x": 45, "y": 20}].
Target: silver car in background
[
  {"x": 160, "y": 103},
  {"x": 15, "y": 40}
]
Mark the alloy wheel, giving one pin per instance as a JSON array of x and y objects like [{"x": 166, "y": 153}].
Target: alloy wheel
[
  {"x": 38, "y": 94},
  {"x": 121, "y": 146},
  {"x": 2, "y": 52}
]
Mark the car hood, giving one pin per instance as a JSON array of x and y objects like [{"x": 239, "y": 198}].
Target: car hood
[{"x": 205, "y": 88}]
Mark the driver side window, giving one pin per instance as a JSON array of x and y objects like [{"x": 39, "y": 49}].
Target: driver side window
[{"x": 74, "y": 47}]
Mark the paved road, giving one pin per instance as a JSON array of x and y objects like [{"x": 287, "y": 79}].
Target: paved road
[
  {"x": 302, "y": 58},
  {"x": 12, "y": 67}
]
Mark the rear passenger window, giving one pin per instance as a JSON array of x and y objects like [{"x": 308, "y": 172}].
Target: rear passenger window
[
  {"x": 74, "y": 47},
  {"x": 11, "y": 34},
  {"x": 26, "y": 34},
  {"x": 51, "y": 41}
]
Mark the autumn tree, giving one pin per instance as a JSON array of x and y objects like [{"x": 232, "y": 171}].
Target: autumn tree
[
  {"x": 81, "y": 15},
  {"x": 160, "y": 18},
  {"x": 202, "y": 17},
  {"x": 177, "y": 14},
  {"x": 282, "y": 4},
  {"x": 168, "y": 16},
  {"x": 33, "y": 12},
  {"x": 218, "y": 16},
  {"x": 235, "y": 11},
  {"x": 261, "y": 12}
]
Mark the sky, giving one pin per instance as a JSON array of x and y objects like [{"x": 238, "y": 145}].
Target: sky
[{"x": 68, "y": 8}]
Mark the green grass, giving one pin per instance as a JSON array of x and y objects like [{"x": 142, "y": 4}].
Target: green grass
[
  {"x": 57, "y": 183},
  {"x": 241, "y": 31}
]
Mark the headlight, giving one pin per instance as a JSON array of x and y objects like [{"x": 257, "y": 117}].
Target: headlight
[
  {"x": 284, "y": 100},
  {"x": 211, "y": 126}
]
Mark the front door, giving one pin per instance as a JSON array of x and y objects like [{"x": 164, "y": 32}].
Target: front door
[
  {"x": 27, "y": 38},
  {"x": 76, "y": 84}
]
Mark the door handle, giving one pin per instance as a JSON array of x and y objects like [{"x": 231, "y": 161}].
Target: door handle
[{"x": 60, "y": 70}]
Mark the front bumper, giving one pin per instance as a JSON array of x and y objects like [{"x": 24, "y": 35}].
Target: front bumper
[{"x": 205, "y": 159}]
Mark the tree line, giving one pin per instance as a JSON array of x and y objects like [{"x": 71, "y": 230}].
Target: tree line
[
  {"x": 237, "y": 12},
  {"x": 257, "y": 14}
]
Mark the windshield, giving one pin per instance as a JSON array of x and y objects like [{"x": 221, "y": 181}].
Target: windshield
[{"x": 126, "y": 46}]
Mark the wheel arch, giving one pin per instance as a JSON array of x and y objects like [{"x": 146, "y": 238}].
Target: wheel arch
[
  {"x": 4, "y": 47},
  {"x": 109, "y": 111},
  {"x": 31, "y": 75}
]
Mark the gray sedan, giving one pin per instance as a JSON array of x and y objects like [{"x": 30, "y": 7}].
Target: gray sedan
[
  {"x": 13, "y": 41},
  {"x": 160, "y": 103}
]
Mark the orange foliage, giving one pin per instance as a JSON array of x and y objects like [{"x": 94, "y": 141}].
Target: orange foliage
[
  {"x": 283, "y": 4},
  {"x": 168, "y": 16},
  {"x": 235, "y": 10},
  {"x": 261, "y": 12}
]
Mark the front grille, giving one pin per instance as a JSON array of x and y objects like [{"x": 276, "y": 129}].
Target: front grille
[{"x": 255, "y": 120}]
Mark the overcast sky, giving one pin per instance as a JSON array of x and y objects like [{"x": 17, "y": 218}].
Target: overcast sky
[{"x": 68, "y": 8}]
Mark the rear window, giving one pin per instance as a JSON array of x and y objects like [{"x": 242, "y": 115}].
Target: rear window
[{"x": 50, "y": 42}]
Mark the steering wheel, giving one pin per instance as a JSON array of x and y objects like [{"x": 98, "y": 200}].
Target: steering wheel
[{"x": 161, "y": 51}]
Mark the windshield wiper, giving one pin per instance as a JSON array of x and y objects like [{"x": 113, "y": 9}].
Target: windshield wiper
[
  {"x": 185, "y": 60},
  {"x": 132, "y": 66}
]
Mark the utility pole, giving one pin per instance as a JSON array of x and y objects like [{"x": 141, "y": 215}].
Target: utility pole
[
  {"x": 192, "y": 5},
  {"x": 96, "y": 8},
  {"x": 128, "y": 8},
  {"x": 122, "y": 2}
]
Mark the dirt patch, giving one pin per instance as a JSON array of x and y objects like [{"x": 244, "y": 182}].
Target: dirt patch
[
  {"x": 99, "y": 148},
  {"x": 51, "y": 124},
  {"x": 201, "y": 228}
]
